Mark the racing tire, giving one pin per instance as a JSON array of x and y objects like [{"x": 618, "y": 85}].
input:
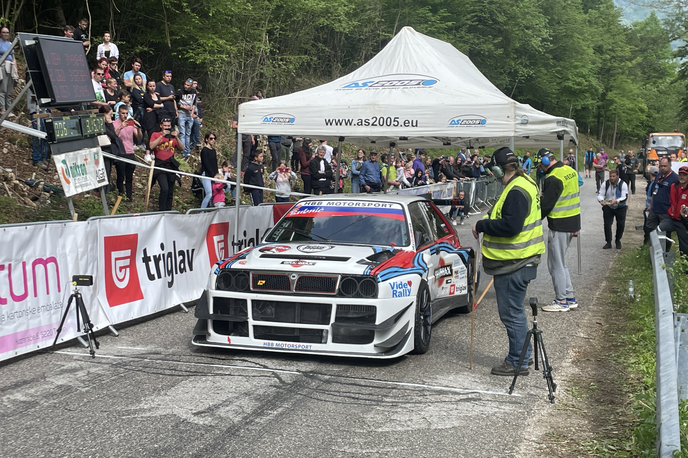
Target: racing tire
[{"x": 422, "y": 329}]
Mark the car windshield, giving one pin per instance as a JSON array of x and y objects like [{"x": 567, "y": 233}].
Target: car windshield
[
  {"x": 358, "y": 222},
  {"x": 667, "y": 140}
]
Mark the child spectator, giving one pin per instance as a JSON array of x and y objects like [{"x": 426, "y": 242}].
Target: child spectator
[
  {"x": 282, "y": 176},
  {"x": 418, "y": 179},
  {"x": 219, "y": 191},
  {"x": 458, "y": 208},
  {"x": 227, "y": 174},
  {"x": 124, "y": 99}
]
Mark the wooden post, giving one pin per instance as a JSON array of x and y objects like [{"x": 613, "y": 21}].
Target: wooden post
[{"x": 150, "y": 182}]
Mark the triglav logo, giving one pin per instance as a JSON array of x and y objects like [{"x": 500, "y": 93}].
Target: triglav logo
[
  {"x": 468, "y": 120},
  {"x": 216, "y": 242},
  {"x": 395, "y": 81},
  {"x": 121, "y": 276},
  {"x": 278, "y": 118}
]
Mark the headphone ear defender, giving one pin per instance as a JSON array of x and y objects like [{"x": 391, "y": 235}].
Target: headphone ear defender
[
  {"x": 497, "y": 172},
  {"x": 545, "y": 161}
]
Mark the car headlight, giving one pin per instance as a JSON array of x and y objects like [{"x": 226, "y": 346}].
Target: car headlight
[
  {"x": 358, "y": 286},
  {"x": 233, "y": 280}
]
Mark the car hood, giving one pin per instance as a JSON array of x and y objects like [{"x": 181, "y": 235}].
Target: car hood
[{"x": 314, "y": 257}]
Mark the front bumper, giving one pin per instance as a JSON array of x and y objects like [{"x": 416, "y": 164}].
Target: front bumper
[{"x": 337, "y": 326}]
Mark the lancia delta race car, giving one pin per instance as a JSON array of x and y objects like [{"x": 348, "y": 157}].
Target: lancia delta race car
[{"x": 360, "y": 276}]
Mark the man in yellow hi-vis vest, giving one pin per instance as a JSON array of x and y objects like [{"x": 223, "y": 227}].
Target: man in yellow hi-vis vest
[
  {"x": 511, "y": 249},
  {"x": 561, "y": 207}
]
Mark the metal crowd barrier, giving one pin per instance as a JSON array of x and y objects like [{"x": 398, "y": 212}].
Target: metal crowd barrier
[
  {"x": 668, "y": 434},
  {"x": 481, "y": 193}
]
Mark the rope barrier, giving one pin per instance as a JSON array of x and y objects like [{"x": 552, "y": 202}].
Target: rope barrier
[{"x": 192, "y": 175}]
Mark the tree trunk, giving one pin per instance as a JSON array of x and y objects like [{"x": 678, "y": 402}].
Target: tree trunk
[
  {"x": 601, "y": 132},
  {"x": 616, "y": 119}
]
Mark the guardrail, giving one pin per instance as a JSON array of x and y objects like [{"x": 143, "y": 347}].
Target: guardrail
[{"x": 668, "y": 435}]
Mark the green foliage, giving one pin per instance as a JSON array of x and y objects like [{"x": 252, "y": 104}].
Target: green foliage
[{"x": 572, "y": 58}]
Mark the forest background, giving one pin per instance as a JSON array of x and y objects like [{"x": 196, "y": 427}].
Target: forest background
[{"x": 572, "y": 58}]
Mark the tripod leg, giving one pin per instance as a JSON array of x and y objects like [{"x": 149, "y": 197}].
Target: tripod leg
[
  {"x": 546, "y": 368},
  {"x": 62, "y": 321},
  {"x": 535, "y": 350},
  {"x": 520, "y": 360},
  {"x": 88, "y": 326}
]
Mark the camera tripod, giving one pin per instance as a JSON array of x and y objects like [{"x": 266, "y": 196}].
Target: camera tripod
[
  {"x": 79, "y": 309},
  {"x": 538, "y": 344}
]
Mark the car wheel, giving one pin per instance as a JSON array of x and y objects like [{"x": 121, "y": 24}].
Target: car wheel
[{"x": 423, "y": 322}]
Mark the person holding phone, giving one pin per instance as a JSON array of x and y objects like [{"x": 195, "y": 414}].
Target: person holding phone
[
  {"x": 164, "y": 144},
  {"x": 126, "y": 129},
  {"x": 282, "y": 177}
]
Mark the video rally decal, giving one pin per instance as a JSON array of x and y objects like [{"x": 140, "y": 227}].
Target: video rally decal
[{"x": 324, "y": 208}]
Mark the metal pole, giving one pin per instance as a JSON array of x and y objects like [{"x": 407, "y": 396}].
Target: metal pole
[
  {"x": 104, "y": 200},
  {"x": 339, "y": 161},
  {"x": 578, "y": 248},
  {"x": 561, "y": 149},
  {"x": 511, "y": 143},
  {"x": 238, "y": 187}
]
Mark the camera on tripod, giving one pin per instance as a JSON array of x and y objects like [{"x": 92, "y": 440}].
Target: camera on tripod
[
  {"x": 82, "y": 280},
  {"x": 82, "y": 318}
]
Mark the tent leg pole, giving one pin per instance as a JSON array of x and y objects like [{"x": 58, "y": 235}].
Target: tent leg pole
[
  {"x": 561, "y": 150},
  {"x": 390, "y": 162},
  {"x": 237, "y": 174},
  {"x": 340, "y": 158},
  {"x": 511, "y": 143}
]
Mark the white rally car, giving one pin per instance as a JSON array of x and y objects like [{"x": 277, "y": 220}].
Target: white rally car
[{"x": 347, "y": 275}]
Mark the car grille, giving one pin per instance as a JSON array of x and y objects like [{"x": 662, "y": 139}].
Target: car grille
[
  {"x": 270, "y": 282},
  {"x": 291, "y": 312},
  {"x": 316, "y": 284},
  {"x": 289, "y": 334}
]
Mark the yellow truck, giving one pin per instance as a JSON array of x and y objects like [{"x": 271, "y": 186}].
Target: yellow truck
[{"x": 658, "y": 145}]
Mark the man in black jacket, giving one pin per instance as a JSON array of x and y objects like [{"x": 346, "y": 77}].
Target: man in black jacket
[
  {"x": 254, "y": 176},
  {"x": 441, "y": 165},
  {"x": 321, "y": 173}
]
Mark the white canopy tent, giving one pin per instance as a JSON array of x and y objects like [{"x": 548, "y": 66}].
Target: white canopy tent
[{"x": 417, "y": 92}]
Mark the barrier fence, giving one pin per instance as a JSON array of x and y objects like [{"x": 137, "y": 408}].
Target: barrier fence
[
  {"x": 141, "y": 264},
  {"x": 481, "y": 193},
  {"x": 668, "y": 434}
]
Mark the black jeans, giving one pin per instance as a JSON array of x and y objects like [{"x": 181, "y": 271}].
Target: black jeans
[
  {"x": 631, "y": 181},
  {"x": 306, "y": 183},
  {"x": 599, "y": 179},
  {"x": 608, "y": 215},
  {"x": 374, "y": 187},
  {"x": 669, "y": 225},
  {"x": 125, "y": 176},
  {"x": 276, "y": 153},
  {"x": 653, "y": 220},
  {"x": 166, "y": 182}
]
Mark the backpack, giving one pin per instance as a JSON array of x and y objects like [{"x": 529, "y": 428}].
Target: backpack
[{"x": 197, "y": 188}]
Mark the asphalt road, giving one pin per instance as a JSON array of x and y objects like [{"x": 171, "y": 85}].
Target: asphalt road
[{"x": 150, "y": 392}]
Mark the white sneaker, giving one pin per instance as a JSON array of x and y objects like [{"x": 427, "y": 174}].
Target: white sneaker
[
  {"x": 454, "y": 222},
  {"x": 556, "y": 306}
]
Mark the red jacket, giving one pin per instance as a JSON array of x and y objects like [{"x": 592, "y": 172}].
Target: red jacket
[{"x": 677, "y": 197}]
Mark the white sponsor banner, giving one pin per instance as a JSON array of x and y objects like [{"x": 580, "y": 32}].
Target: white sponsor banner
[
  {"x": 151, "y": 263},
  {"x": 81, "y": 170},
  {"x": 37, "y": 263}
]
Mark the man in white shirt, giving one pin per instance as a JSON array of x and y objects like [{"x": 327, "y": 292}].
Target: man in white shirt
[
  {"x": 97, "y": 80},
  {"x": 328, "y": 151},
  {"x": 613, "y": 196}
]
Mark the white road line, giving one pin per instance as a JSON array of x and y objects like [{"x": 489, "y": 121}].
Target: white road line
[{"x": 282, "y": 371}]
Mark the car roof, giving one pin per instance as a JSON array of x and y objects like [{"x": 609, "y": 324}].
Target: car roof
[{"x": 393, "y": 198}]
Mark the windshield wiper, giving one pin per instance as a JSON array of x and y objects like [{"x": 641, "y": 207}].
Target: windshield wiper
[{"x": 304, "y": 233}]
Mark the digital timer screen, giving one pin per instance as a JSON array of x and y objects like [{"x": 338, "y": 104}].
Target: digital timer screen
[
  {"x": 92, "y": 125},
  {"x": 60, "y": 129},
  {"x": 64, "y": 62}
]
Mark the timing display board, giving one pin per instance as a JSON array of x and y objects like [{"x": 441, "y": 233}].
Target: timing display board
[
  {"x": 77, "y": 127},
  {"x": 64, "y": 63}
]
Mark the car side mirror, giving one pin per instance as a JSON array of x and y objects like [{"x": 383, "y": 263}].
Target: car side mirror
[{"x": 420, "y": 238}]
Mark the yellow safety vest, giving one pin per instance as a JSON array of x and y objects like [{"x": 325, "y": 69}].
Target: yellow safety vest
[
  {"x": 568, "y": 203},
  {"x": 529, "y": 242}
]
